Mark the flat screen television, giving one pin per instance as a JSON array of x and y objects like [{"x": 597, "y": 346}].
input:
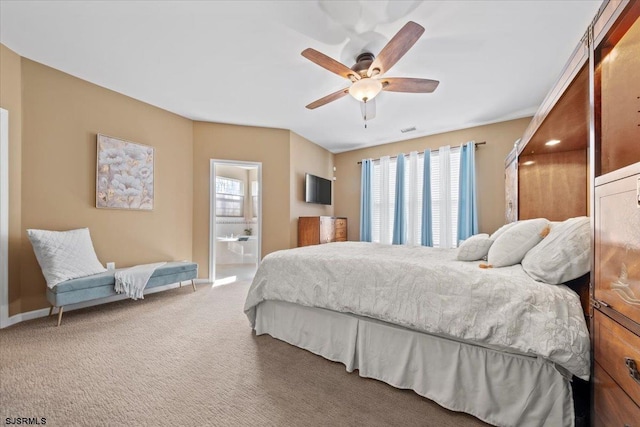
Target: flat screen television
[{"x": 317, "y": 190}]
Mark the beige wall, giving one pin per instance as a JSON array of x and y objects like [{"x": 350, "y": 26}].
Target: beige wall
[
  {"x": 306, "y": 157},
  {"x": 61, "y": 117},
  {"x": 242, "y": 143},
  {"x": 489, "y": 169},
  {"x": 11, "y": 100}
]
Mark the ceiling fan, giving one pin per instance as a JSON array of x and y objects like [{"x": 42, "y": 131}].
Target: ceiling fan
[{"x": 366, "y": 74}]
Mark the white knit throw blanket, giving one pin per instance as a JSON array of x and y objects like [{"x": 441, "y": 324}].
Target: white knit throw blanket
[{"x": 132, "y": 281}]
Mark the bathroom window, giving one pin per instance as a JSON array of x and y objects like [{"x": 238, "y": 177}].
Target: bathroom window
[{"x": 229, "y": 197}]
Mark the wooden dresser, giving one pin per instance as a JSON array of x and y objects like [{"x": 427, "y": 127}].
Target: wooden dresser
[
  {"x": 314, "y": 230},
  {"x": 616, "y": 301},
  {"x": 615, "y": 328}
]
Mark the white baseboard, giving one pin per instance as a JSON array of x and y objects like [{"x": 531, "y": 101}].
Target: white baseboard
[
  {"x": 44, "y": 312},
  {"x": 21, "y": 317}
]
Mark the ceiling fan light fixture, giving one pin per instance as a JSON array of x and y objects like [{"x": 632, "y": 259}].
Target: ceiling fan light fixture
[{"x": 365, "y": 89}]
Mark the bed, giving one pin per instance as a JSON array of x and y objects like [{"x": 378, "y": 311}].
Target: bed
[{"x": 490, "y": 342}]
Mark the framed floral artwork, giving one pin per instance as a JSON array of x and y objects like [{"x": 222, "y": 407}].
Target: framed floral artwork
[{"x": 124, "y": 174}]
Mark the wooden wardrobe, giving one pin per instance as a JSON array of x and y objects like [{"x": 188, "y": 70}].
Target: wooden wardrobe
[
  {"x": 594, "y": 111},
  {"x": 615, "y": 328}
]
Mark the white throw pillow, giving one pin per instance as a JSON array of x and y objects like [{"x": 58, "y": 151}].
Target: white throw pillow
[
  {"x": 511, "y": 246},
  {"x": 501, "y": 230},
  {"x": 64, "y": 255},
  {"x": 474, "y": 248},
  {"x": 565, "y": 254}
]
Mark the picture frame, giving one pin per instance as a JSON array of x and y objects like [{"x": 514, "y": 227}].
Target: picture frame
[{"x": 124, "y": 174}]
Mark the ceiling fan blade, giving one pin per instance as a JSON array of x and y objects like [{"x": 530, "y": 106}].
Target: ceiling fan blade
[
  {"x": 400, "y": 84},
  {"x": 329, "y": 63},
  {"x": 329, "y": 98},
  {"x": 396, "y": 48}
]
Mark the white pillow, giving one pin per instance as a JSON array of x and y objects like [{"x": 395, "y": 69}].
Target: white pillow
[
  {"x": 511, "y": 246},
  {"x": 501, "y": 230},
  {"x": 64, "y": 255},
  {"x": 565, "y": 254},
  {"x": 474, "y": 248}
]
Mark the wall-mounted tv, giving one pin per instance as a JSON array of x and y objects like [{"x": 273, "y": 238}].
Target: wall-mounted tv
[{"x": 317, "y": 190}]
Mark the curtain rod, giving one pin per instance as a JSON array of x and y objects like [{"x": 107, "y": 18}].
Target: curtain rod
[{"x": 395, "y": 157}]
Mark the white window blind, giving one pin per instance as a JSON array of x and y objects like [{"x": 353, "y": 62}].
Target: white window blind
[
  {"x": 413, "y": 192},
  {"x": 435, "y": 194},
  {"x": 229, "y": 197},
  {"x": 413, "y": 199},
  {"x": 377, "y": 215}
]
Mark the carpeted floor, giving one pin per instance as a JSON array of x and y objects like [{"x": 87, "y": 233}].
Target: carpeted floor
[{"x": 183, "y": 358}]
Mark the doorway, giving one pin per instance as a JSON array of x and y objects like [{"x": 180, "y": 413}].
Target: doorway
[
  {"x": 4, "y": 218},
  {"x": 235, "y": 216}
]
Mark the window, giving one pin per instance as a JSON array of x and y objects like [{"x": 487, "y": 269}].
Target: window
[
  {"x": 229, "y": 197},
  {"x": 454, "y": 167},
  {"x": 413, "y": 197},
  {"x": 383, "y": 207}
]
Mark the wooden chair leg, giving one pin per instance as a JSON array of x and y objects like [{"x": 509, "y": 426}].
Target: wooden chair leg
[
  {"x": 60, "y": 315},
  {"x": 51, "y": 311},
  {"x": 193, "y": 283}
]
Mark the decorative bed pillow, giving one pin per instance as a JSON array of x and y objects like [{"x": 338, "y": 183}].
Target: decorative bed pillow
[
  {"x": 512, "y": 245},
  {"x": 565, "y": 254},
  {"x": 64, "y": 255},
  {"x": 501, "y": 230},
  {"x": 474, "y": 248}
]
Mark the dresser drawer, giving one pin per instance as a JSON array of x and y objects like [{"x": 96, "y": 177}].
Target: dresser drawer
[
  {"x": 613, "y": 343},
  {"x": 341, "y": 223},
  {"x": 612, "y": 406},
  {"x": 341, "y": 233},
  {"x": 617, "y": 243}
]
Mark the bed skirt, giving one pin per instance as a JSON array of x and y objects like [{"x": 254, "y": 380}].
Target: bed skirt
[{"x": 500, "y": 388}]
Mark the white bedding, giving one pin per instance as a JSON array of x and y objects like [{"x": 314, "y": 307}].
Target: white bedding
[
  {"x": 503, "y": 389},
  {"x": 428, "y": 290}
]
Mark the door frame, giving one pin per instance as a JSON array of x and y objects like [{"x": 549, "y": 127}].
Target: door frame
[
  {"x": 212, "y": 209},
  {"x": 4, "y": 218}
]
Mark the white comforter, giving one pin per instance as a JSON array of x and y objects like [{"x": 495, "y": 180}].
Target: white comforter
[{"x": 428, "y": 290}]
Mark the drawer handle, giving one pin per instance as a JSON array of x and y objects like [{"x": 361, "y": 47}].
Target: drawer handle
[{"x": 633, "y": 369}]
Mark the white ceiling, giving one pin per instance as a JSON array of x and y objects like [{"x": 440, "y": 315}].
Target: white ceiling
[{"x": 239, "y": 62}]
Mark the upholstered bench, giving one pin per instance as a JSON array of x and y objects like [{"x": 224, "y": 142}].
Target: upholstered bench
[{"x": 103, "y": 285}]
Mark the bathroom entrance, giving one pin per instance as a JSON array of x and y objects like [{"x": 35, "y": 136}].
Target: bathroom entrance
[{"x": 236, "y": 220}]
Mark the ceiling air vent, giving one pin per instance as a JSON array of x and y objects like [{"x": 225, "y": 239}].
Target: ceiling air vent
[{"x": 405, "y": 130}]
